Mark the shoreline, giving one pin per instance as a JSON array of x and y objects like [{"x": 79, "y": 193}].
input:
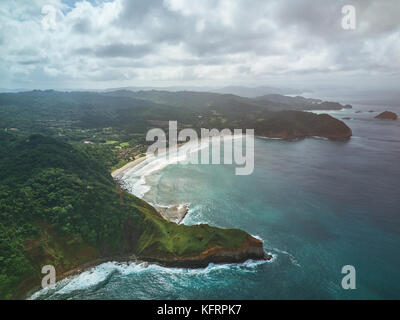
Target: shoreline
[
  {"x": 177, "y": 212},
  {"x": 283, "y": 137},
  {"x": 129, "y": 165},
  {"x": 72, "y": 273},
  {"x": 133, "y": 163},
  {"x": 174, "y": 213},
  {"x": 196, "y": 262}
]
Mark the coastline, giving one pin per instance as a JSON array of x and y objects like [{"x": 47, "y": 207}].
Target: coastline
[
  {"x": 276, "y": 136},
  {"x": 72, "y": 273},
  {"x": 251, "y": 249},
  {"x": 177, "y": 212},
  {"x": 174, "y": 213},
  {"x": 129, "y": 165},
  {"x": 135, "y": 162}
]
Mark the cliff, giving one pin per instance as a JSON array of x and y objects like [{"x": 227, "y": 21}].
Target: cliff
[{"x": 251, "y": 248}]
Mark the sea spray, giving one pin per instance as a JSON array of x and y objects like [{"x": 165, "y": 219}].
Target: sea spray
[{"x": 98, "y": 276}]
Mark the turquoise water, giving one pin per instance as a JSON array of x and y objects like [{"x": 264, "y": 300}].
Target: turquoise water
[{"x": 317, "y": 205}]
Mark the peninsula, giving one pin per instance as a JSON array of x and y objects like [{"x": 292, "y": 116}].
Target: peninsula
[{"x": 78, "y": 217}]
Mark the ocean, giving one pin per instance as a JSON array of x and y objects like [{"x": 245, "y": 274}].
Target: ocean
[{"x": 317, "y": 205}]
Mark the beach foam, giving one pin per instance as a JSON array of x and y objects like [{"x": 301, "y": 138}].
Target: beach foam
[
  {"x": 100, "y": 274},
  {"x": 134, "y": 178}
]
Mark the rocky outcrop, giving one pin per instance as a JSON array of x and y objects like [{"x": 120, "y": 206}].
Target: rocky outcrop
[
  {"x": 174, "y": 213},
  {"x": 387, "y": 115},
  {"x": 251, "y": 248}
]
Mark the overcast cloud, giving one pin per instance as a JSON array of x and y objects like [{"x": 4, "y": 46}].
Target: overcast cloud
[{"x": 103, "y": 44}]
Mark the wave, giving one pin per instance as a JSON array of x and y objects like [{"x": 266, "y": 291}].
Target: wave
[
  {"x": 85, "y": 280},
  {"x": 319, "y": 138},
  {"x": 99, "y": 275},
  {"x": 274, "y": 256},
  {"x": 269, "y": 138},
  {"x": 291, "y": 256}
]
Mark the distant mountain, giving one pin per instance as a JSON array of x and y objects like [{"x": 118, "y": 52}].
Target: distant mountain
[
  {"x": 4, "y": 90},
  {"x": 197, "y": 99},
  {"x": 169, "y": 89},
  {"x": 300, "y": 103},
  {"x": 252, "y": 92},
  {"x": 243, "y": 91}
]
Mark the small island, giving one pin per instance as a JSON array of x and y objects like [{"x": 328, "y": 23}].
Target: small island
[{"x": 387, "y": 115}]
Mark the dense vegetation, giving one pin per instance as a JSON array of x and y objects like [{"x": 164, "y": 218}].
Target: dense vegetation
[{"x": 60, "y": 206}]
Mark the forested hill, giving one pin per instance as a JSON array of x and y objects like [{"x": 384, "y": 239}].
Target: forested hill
[
  {"x": 132, "y": 113},
  {"x": 59, "y": 206}
]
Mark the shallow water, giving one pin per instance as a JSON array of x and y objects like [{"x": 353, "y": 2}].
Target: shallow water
[{"x": 317, "y": 205}]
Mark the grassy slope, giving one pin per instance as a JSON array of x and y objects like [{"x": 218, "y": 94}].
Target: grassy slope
[{"x": 59, "y": 206}]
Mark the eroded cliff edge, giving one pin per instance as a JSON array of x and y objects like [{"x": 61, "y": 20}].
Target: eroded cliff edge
[{"x": 251, "y": 248}]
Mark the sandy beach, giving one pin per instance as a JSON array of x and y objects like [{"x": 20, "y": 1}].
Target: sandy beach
[
  {"x": 135, "y": 162},
  {"x": 174, "y": 213},
  {"x": 129, "y": 165}
]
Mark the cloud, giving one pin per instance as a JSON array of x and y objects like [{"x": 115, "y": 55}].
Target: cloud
[
  {"x": 133, "y": 42},
  {"x": 117, "y": 50}
]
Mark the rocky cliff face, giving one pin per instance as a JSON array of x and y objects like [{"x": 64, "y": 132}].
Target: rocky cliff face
[
  {"x": 251, "y": 248},
  {"x": 387, "y": 115}
]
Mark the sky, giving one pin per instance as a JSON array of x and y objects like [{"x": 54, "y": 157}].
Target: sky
[{"x": 56, "y": 44}]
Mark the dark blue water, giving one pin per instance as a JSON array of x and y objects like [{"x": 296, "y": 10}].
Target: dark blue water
[{"x": 317, "y": 205}]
